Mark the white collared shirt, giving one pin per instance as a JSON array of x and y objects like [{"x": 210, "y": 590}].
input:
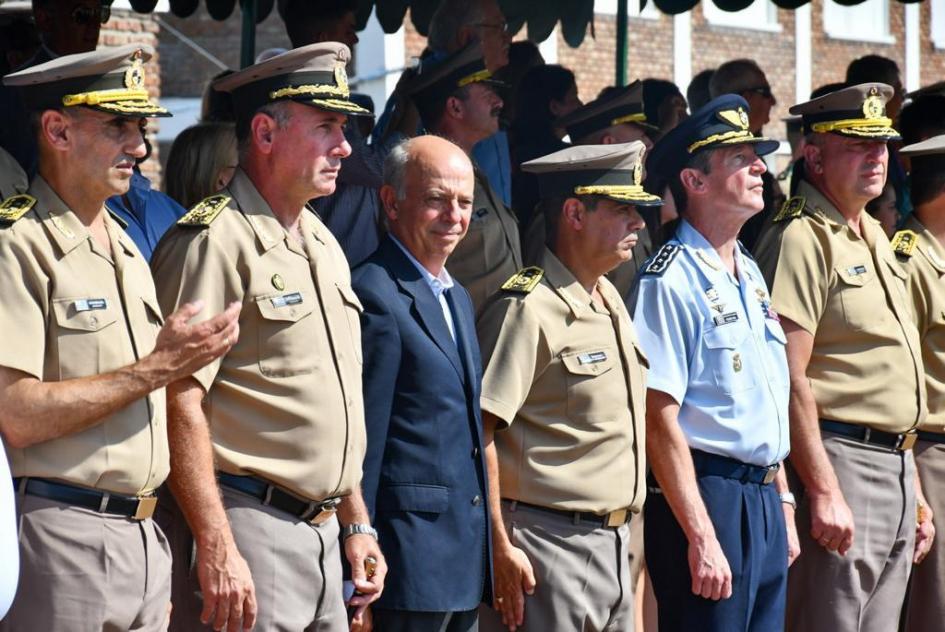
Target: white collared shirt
[{"x": 438, "y": 285}]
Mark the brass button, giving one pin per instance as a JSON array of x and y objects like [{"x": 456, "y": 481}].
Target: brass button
[{"x": 477, "y": 500}]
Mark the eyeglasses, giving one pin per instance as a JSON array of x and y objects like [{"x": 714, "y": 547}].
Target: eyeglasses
[
  {"x": 83, "y": 16},
  {"x": 764, "y": 91}
]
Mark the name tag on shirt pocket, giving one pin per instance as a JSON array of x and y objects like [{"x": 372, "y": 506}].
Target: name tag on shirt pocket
[
  {"x": 590, "y": 362},
  {"x": 287, "y": 307},
  {"x": 84, "y": 314},
  {"x": 855, "y": 274}
]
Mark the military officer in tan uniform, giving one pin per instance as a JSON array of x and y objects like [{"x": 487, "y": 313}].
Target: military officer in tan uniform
[
  {"x": 280, "y": 417},
  {"x": 562, "y": 401},
  {"x": 616, "y": 116},
  {"x": 857, "y": 384},
  {"x": 86, "y": 357},
  {"x": 919, "y": 247},
  {"x": 457, "y": 100}
]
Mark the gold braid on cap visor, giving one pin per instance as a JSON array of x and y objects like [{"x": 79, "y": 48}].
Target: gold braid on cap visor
[
  {"x": 831, "y": 126},
  {"x": 741, "y": 134},
  {"x": 309, "y": 90},
  {"x": 628, "y": 191},
  {"x": 476, "y": 77},
  {"x": 104, "y": 96},
  {"x": 639, "y": 117}
]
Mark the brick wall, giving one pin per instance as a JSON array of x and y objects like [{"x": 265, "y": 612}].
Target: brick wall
[
  {"x": 127, "y": 27},
  {"x": 933, "y": 59},
  {"x": 187, "y": 72}
]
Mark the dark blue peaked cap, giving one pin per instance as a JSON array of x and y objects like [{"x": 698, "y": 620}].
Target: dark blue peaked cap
[{"x": 721, "y": 122}]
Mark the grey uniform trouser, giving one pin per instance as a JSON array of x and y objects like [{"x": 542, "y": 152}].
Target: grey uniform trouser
[
  {"x": 925, "y": 606},
  {"x": 862, "y": 591},
  {"x": 582, "y": 574}
]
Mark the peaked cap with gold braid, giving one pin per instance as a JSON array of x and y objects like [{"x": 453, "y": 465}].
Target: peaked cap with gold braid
[
  {"x": 624, "y": 105},
  {"x": 721, "y": 122},
  {"x": 314, "y": 75},
  {"x": 110, "y": 80},
  {"x": 858, "y": 111},
  {"x": 610, "y": 171}
]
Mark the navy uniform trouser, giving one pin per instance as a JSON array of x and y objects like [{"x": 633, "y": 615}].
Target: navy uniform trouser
[{"x": 749, "y": 523}]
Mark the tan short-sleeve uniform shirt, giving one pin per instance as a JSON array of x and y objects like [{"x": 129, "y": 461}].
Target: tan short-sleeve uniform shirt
[
  {"x": 72, "y": 309},
  {"x": 567, "y": 378},
  {"x": 285, "y": 402},
  {"x": 926, "y": 268},
  {"x": 491, "y": 251},
  {"x": 849, "y": 292}
]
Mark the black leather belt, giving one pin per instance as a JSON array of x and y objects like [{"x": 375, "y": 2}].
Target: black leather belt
[
  {"x": 613, "y": 519},
  {"x": 933, "y": 437},
  {"x": 891, "y": 440},
  {"x": 135, "y": 507},
  {"x": 314, "y": 511},
  {"x": 709, "y": 464}
]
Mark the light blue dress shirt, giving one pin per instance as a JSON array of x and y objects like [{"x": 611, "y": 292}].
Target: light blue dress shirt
[
  {"x": 438, "y": 285},
  {"x": 715, "y": 346}
]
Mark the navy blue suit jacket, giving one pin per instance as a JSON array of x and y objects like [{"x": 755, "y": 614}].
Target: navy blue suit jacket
[{"x": 424, "y": 472}]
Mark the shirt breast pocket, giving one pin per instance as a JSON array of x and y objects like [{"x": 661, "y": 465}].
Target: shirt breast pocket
[
  {"x": 859, "y": 292},
  {"x": 589, "y": 375},
  {"x": 284, "y": 339},
  {"x": 726, "y": 360},
  {"x": 85, "y": 335}
]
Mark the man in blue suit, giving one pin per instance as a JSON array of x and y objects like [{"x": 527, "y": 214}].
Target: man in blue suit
[{"x": 424, "y": 474}]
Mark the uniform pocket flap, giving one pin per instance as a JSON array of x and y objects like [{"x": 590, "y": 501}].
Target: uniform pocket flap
[
  {"x": 854, "y": 274},
  {"x": 590, "y": 362},
  {"x": 152, "y": 309},
  {"x": 725, "y": 336},
  {"x": 285, "y": 306},
  {"x": 411, "y": 497},
  {"x": 349, "y": 297},
  {"x": 84, "y": 314},
  {"x": 775, "y": 330},
  {"x": 641, "y": 357}
]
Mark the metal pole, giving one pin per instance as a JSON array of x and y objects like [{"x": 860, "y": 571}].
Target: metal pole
[
  {"x": 621, "y": 75},
  {"x": 248, "y": 42}
]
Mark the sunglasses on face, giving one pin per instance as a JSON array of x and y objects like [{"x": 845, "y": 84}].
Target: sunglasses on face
[
  {"x": 83, "y": 16},
  {"x": 764, "y": 91}
]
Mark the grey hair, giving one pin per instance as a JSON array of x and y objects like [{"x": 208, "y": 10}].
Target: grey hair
[
  {"x": 278, "y": 111},
  {"x": 449, "y": 18},
  {"x": 395, "y": 168},
  {"x": 734, "y": 76}
]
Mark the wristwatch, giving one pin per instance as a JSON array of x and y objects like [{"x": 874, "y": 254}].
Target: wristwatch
[
  {"x": 358, "y": 529},
  {"x": 788, "y": 498}
]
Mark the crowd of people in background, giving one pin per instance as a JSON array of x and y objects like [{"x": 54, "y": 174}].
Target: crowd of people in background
[{"x": 485, "y": 356}]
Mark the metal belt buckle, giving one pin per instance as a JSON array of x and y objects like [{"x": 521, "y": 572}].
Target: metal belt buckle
[
  {"x": 616, "y": 518},
  {"x": 146, "y": 505},
  {"x": 322, "y": 511},
  {"x": 907, "y": 440},
  {"x": 771, "y": 474}
]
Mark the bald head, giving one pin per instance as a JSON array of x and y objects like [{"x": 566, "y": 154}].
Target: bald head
[{"x": 427, "y": 196}]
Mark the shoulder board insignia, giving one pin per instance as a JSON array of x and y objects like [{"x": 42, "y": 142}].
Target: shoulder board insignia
[
  {"x": 791, "y": 209},
  {"x": 15, "y": 207},
  {"x": 904, "y": 242},
  {"x": 659, "y": 262},
  {"x": 205, "y": 212},
  {"x": 525, "y": 280}
]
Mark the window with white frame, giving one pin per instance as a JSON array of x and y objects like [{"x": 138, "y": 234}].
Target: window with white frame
[
  {"x": 760, "y": 15},
  {"x": 865, "y": 22},
  {"x": 938, "y": 23}
]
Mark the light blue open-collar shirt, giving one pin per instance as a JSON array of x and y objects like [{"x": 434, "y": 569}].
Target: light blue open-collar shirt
[
  {"x": 438, "y": 285},
  {"x": 717, "y": 347}
]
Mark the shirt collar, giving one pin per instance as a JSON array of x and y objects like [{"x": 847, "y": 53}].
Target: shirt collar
[
  {"x": 706, "y": 256},
  {"x": 438, "y": 284}
]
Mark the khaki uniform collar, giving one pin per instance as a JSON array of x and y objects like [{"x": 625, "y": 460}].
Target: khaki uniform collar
[
  {"x": 819, "y": 203},
  {"x": 928, "y": 244},
  {"x": 567, "y": 287},
  {"x": 269, "y": 232}
]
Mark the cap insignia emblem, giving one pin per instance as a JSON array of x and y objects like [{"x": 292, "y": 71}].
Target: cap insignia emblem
[
  {"x": 134, "y": 76},
  {"x": 341, "y": 77},
  {"x": 873, "y": 107},
  {"x": 736, "y": 118},
  {"x": 637, "y": 174}
]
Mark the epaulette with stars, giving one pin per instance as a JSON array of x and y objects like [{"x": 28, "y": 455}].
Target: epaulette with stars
[
  {"x": 205, "y": 211},
  {"x": 525, "y": 280},
  {"x": 659, "y": 262},
  {"x": 15, "y": 207},
  {"x": 904, "y": 242}
]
